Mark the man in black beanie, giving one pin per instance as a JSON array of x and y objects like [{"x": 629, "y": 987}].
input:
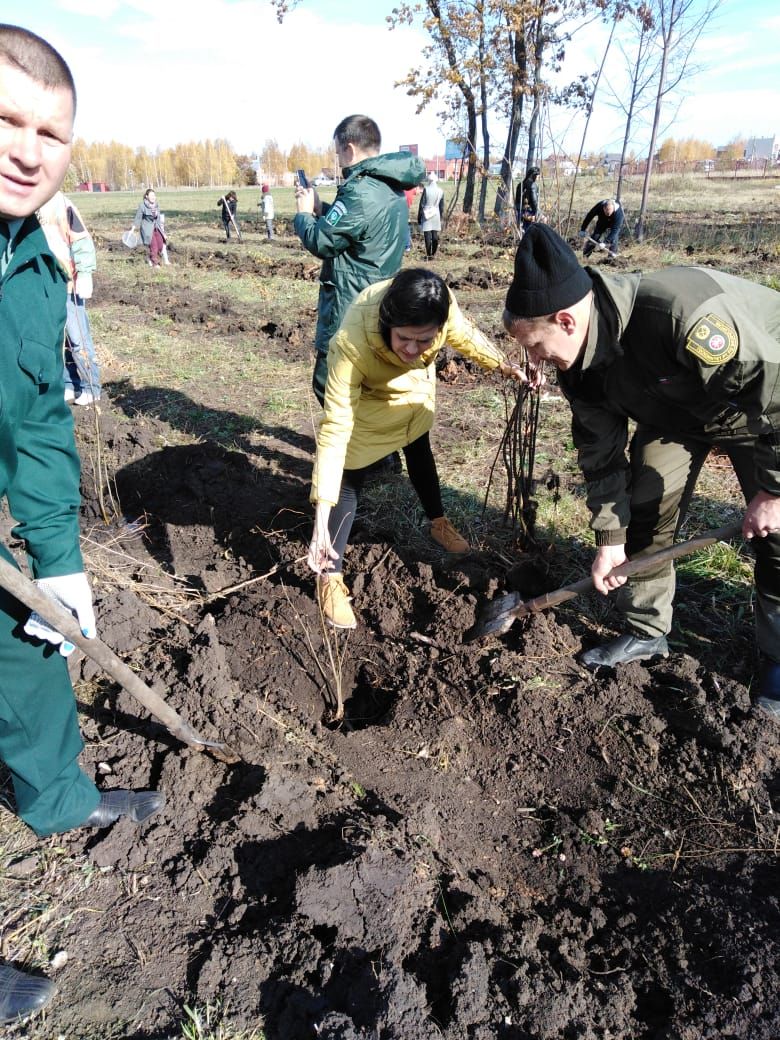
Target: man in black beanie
[{"x": 693, "y": 356}]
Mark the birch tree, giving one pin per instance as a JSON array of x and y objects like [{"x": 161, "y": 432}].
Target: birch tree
[{"x": 679, "y": 25}]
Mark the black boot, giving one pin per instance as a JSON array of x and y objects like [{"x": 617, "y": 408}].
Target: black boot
[
  {"x": 22, "y": 995},
  {"x": 624, "y": 649},
  {"x": 138, "y": 805},
  {"x": 769, "y": 688}
]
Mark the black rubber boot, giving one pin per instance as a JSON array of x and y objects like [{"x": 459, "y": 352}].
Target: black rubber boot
[
  {"x": 624, "y": 649},
  {"x": 769, "y": 688},
  {"x": 138, "y": 805},
  {"x": 22, "y": 995}
]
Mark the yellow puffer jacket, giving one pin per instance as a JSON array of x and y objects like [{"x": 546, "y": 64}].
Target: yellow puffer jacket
[{"x": 375, "y": 403}]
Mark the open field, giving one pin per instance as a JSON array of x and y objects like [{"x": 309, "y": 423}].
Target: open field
[{"x": 495, "y": 845}]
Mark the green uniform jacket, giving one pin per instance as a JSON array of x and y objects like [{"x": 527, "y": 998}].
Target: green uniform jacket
[
  {"x": 684, "y": 350},
  {"x": 361, "y": 236},
  {"x": 375, "y": 403},
  {"x": 39, "y": 465}
]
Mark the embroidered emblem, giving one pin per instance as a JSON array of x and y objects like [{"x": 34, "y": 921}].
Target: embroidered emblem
[
  {"x": 713, "y": 341},
  {"x": 335, "y": 213}
]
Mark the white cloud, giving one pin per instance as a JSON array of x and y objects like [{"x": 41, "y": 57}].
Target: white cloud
[
  {"x": 102, "y": 9},
  {"x": 157, "y": 72},
  {"x": 180, "y": 71}
]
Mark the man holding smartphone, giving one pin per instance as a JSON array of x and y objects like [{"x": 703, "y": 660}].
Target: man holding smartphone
[{"x": 360, "y": 236}]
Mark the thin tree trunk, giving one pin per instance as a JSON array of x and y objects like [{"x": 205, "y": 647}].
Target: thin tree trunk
[
  {"x": 519, "y": 80},
  {"x": 639, "y": 227},
  {"x": 640, "y": 57},
  {"x": 587, "y": 123}
]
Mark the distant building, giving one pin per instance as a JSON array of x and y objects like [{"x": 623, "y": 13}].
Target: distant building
[
  {"x": 562, "y": 164},
  {"x": 92, "y": 186},
  {"x": 762, "y": 148}
]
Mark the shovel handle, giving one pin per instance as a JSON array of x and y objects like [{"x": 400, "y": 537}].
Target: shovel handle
[
  {"x": 27, "y": 592},
  {"x": 500, "y": 622},
  {"x": 644, "y": 563}
]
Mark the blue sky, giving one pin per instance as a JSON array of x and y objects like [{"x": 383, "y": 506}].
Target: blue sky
[{"x": 156, "y": 72}]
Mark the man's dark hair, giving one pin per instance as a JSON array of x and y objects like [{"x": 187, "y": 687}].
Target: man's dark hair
[
  {"x": 360, "y": 131},
  {"x": 23, "y": 50},
  {"x": 415, "y": 296}
]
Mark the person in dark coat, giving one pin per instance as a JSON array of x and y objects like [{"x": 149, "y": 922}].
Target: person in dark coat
[
  {"x": 609, "y": 218},
  {"x": 527, "y": 199},
  {"x": 39, "y": 477},
  {"x": 692, "y": 356},
  {"x": 229, "y": 206}
]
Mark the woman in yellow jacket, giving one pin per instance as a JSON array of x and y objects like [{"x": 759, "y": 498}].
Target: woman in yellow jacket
[{"x": 379, "y": 397}]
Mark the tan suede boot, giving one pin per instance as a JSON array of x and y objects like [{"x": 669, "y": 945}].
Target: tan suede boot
[
  {"x": 334, "y": 597},
  {"x": 445, "y": 535}
]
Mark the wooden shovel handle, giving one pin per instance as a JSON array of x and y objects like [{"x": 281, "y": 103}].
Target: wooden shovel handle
[
  {"x": 644, "y": 563},
  {"x": 27, "y": 592}
]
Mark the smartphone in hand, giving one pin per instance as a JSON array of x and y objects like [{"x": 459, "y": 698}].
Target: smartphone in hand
[{"x": 302, "y": 179}]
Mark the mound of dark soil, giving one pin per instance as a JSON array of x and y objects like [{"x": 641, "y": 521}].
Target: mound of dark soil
[{"x": 493, "y": 844}]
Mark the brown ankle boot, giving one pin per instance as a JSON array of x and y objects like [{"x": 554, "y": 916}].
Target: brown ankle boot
[
  {"x": 333, "y": 596},
  {"x": 447, "y": 537}
]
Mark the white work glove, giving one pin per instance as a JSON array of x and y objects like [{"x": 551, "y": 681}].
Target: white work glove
[
  {"x": 84, "y": 285},
  {"x": 71, "y": 591},
  {"x": 583, "y": 234}
]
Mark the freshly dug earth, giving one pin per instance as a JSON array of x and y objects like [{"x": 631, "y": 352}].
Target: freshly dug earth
[{"x": 492, "y": 844}]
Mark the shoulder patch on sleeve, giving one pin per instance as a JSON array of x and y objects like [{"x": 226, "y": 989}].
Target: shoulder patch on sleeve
[
  {"x": 712, "y": 340},
  {"x": 335, "y": 213}
]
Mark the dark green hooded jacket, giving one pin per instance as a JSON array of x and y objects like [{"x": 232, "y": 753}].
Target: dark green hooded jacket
[
  {"x": 683, "y": 350},
  {"x": 361, "y": 236}
]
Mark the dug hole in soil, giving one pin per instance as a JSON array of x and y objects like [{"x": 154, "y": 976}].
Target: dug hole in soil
[{"x": 494, "y": 845}]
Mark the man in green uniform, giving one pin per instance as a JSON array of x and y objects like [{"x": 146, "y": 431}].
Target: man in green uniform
[
  {"x": 361, "y": 235},
  {"x": 693, "y": 356},
  {"x": 39, "y": 475}
]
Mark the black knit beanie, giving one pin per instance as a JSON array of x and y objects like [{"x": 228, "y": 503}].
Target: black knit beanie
[{"x": 548, "y": 276}]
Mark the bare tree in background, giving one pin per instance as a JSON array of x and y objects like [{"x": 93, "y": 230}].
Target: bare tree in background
[
  {"x": 642, "y": 68},
  {"x": 680, "y": 24},
  {"x": 452, "y": 62}
]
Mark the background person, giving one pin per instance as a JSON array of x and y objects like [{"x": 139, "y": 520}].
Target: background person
[
  {"x": 430, "y": 214},
  {"x": 72, "y": 244},
  {"x": 693, "y": 356},
  {"x": 229, "y": 206},
  {"x": 608, "y": 215},
  {"x": 380, "y": 397},
  {"x": 410, "y": 194},
  {"x": 360, "y": 236},
  {"x": 267, "y": 209},
  {"x": 527, "y": 199},
  {"x": 147, "y": 221},
  {"x": 39, "y": 476}
]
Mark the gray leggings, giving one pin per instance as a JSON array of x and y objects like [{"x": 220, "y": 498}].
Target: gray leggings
[{"x": 421, "y": 467}]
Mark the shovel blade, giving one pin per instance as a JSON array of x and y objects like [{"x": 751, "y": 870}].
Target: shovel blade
[
  {"x": 495, "y": 626},
  {"x": 498, "y": 608}
]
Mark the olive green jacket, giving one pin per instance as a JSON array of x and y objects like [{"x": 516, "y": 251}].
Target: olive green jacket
[
  {"x": 375, "y": 403},
  {"x": 361, "y": 236},
  {"x": 39, "y": 465},
  {"x": 684, "y": 350}
]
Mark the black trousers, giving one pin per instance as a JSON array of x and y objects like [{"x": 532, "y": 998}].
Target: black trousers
[
  {"x": 431, "y": 243},
  {"x": 420, "y": 465}
]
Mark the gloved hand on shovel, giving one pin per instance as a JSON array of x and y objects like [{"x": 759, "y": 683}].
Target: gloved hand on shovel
[{"x": 71, "y": 591}]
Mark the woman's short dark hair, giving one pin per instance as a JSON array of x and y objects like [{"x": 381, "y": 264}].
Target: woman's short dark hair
[{"x": 415, "y": 296}]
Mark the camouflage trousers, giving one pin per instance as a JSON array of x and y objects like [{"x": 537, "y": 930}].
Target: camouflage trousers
[{"x": 664, "y": 470}]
